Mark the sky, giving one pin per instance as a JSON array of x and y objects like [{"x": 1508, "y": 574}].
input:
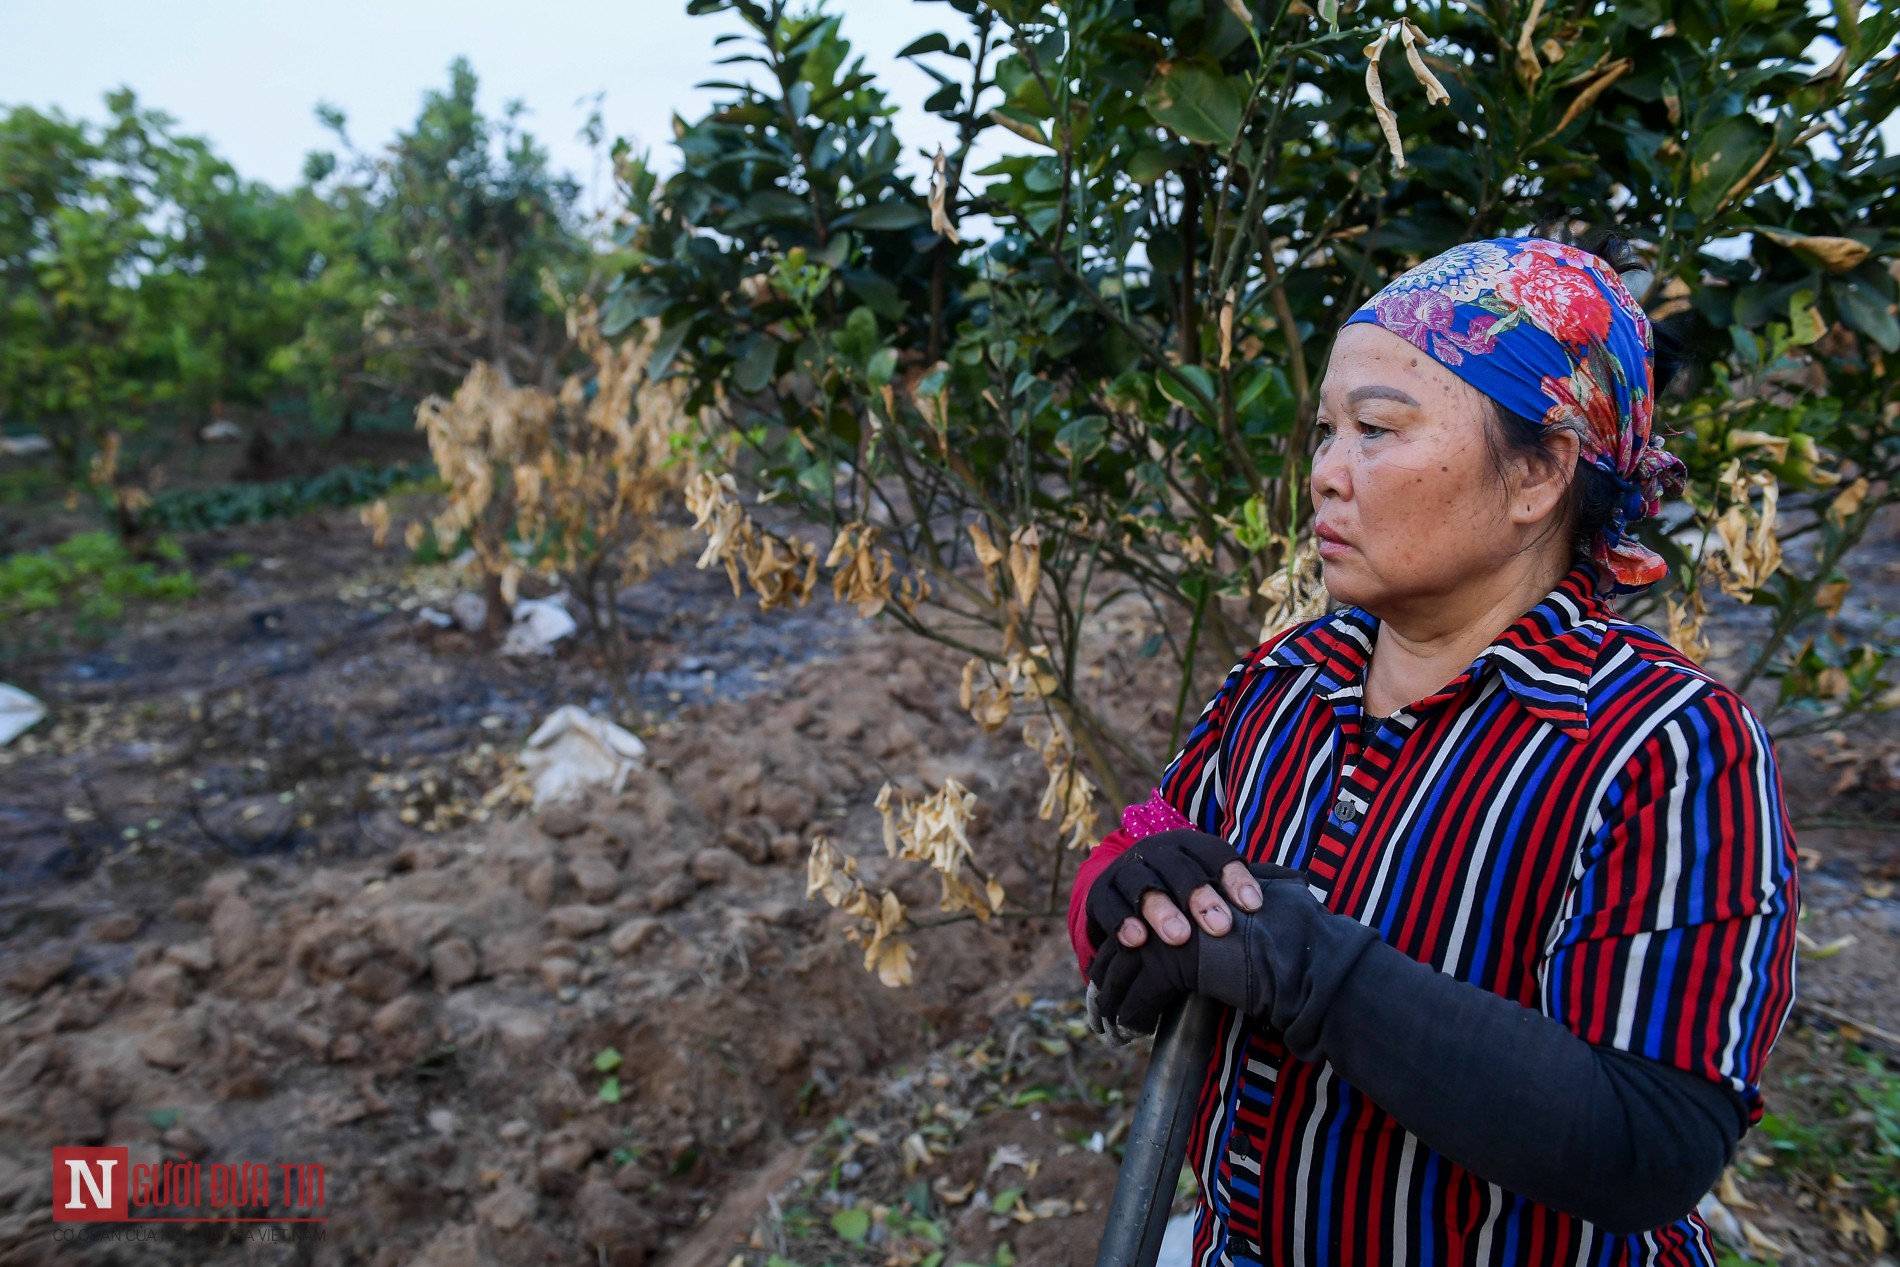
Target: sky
[{"x": 248, "y": 74}]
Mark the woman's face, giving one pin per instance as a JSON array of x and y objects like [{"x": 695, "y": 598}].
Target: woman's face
[{"x": 1408, "y": 506}]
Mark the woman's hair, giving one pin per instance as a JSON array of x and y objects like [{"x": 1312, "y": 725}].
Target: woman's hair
[{"x": 1594, "y": 494}]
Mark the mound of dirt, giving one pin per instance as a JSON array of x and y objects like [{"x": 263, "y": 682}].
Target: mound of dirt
[{"x": 431, "y": 1024}]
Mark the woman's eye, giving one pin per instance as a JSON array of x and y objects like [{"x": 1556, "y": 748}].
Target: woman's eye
[{"x": 1371, "y": 432}]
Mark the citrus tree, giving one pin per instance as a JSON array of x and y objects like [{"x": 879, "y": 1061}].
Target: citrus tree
[
  {"x": 139, "y": 276},
  {"x": 438, "y": 251},
  {"x": 82, "y": 344}
]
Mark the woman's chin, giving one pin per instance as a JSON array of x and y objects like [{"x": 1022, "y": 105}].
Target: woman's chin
[{"x": 1345, "y": 582}]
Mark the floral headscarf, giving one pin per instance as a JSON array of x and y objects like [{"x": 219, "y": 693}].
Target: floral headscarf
[{"x": 1550, "y": 333}]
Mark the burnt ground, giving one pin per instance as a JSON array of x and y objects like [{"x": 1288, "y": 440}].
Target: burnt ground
[{"x": 253, "y": 905}]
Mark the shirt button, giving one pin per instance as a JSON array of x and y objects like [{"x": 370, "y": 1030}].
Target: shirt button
[{"x": 1343, "y": 810}]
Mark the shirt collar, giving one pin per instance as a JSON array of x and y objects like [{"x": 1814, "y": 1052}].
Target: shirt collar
[{"x": 1545, "y": 658}]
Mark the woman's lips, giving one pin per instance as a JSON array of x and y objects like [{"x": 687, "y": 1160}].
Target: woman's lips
[{"x": 1331, "y": 544}]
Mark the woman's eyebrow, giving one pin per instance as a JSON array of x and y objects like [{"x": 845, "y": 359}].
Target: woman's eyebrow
[{"x": 1375, "y": 392}]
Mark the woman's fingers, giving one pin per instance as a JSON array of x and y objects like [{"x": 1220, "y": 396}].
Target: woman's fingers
[
  {"x": 1132, "y": 933},
  {"x": 1165, "y": 917},
  {"x": 1241, "y": 886},
  {"x": 1209, "y": 911}
]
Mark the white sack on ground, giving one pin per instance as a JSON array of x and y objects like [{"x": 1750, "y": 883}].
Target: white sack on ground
[
  {"x": 25, "y": 446},
  {"x": 573, "y": 750},
  {"x": 539, "y": 624},
  {"x": 18, "y": 713},
  {"x": 221, "y": 430},
  {"x": 1177, "y": 1243},
  {"x": 469, "y": 610}
]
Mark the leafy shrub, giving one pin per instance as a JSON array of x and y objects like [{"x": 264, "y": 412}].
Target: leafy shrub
[
  {"x": 88, "y": 578},
  {"x": 1834, "y": 1137},
  {"x": 233, "y": 505},
  {"x": 573, "y": 485}
]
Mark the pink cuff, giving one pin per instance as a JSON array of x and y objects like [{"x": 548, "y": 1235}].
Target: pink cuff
[
  {"x": 1149, "y": 818},
  {"x": 1152, "y": 817}
]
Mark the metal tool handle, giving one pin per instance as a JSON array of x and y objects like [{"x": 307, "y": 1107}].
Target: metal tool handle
[{"x": 1158, "y": 1137}]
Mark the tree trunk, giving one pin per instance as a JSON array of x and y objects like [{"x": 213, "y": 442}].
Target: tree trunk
[
  {"x": 495, "y": 614},
  {"x": 1189, "y": 325}
]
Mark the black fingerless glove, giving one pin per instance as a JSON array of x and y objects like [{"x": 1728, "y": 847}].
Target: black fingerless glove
[
  {"x": 1285, "y": 962},
  {"x": 1172, "y": 862},
  {"x": 1133, "y": 987}
]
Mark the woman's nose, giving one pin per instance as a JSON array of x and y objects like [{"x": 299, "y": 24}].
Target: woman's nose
[{"x": 1330, "y": 477}]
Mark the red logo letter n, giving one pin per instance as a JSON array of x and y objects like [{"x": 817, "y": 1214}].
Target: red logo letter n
[{"x": 89, "y": 1184}]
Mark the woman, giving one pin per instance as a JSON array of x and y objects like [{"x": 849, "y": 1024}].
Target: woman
[{"x": 1497, "y": 887}]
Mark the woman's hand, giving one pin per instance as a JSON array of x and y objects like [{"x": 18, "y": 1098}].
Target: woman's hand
[
  {"x": 1129, "y": 989},
  {"x": 1283, "y": 963},
  {"x": 1158, "y": 877}
]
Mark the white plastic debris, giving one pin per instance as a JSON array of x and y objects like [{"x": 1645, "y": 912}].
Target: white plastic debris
[
  {"x": 1722, "y": 1221},
  {"x": 24, "y": 446},
  {"x": 221, "y": 429},
  {"x": 539, "y": 624},
  {"x": 1177, "y": 1242},
  {"x": 470, "y": 611},
  {"x": 19, "y": 712},
  {"x": 440, "y": 619},
  {"x": 574, "y": 750}
]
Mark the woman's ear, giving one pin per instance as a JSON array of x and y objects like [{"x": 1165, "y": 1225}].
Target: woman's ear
[{"x": 1539, "y": 482}]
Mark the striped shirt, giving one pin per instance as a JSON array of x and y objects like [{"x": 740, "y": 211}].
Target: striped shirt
[{"x": 1582, "y": 821}]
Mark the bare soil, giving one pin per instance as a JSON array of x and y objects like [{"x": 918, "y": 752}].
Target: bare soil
[{"x": 252, "y": 906}]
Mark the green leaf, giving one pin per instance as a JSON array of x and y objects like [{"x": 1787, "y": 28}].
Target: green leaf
[
  {"x": 618, "y": 313},
  {"x": 884, "y": 215},
  {"x": 835, "y": 252},
  {"x": 876, "y": 290},
  {"x": 1864, "y": 309},
  {"x": 853, "y": 1225},
  {"x": 1722, "y": 156},
  {"x": 935, "y": 42},
  {"x": 944, "y": 100},
  {"x": 882, "y": 367},
  {"x": 666, "y": 346},
  {"x": 754, "y": 370},
  {"x": 610, "y": 1091},
  {"x": 1151, "y": 162},
  {"x": 163, "y": 1119},
  {"x": 1173, "y": 381},
  {"x": 1258, "y": 383},
  {"x": 1198, "y": 102},
  {"x": 1804, "y": 321},
  {"x": 769, "y": 205},
  {"x": 1004, "y": 1201},
  {"x": 607, "y": 1061},
  {"x": 816, "y": 479},
  {"x": 858, "y": 339},
  {"x": 1083, "y": 438}
]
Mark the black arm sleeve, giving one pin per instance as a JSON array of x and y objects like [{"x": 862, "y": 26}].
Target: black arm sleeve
[{"x": 1508, "y": 1093}]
